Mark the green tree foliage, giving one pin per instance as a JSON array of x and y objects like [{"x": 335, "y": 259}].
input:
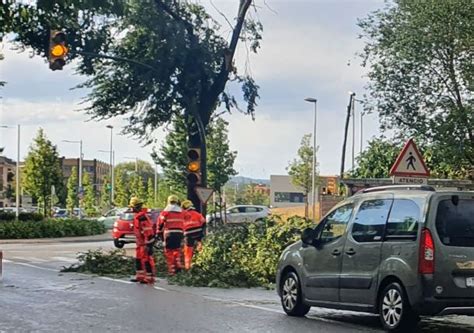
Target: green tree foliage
[
  {"x": 377, "y": 159},
  {"x": 419, "y": 55},
  {"x": 150, "y": 194},
  {"x": 172, "y": 155},
  {"x": 89, "y": 201},
  {"x": 72, "y": 184},
  {"x": 137, "y": 188},
  {"x": 219, "y": 156},
  {"x": 301, "y": 169},
  {"x": 105, "y": 195},
  {"x": 120, "y": 191},
  {"x": 42, "y": 170},
  {"x": 252, "y": 196},
  {"x": 179, "y": 60},
  {"x": 128, "y": 169}
]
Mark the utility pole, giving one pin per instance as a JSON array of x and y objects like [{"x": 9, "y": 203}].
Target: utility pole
[
  {"x": 111, "y": 166},
  {"x": 349, "y": 108},
  {"x": 155, "y": 189},
  {"x": 17, "y": 191}
]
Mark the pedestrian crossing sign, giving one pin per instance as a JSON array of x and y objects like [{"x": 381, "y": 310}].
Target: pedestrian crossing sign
[{"x": 409, "y": 162}]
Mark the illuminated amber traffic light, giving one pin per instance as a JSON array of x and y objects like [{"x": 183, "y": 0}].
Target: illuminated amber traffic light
[
  {"x": 194, "y": 166},
  {"x": 57, "y": 50}
]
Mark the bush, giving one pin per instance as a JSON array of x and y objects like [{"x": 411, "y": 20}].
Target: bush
[
  {"x": 50, "y": 228},
  {"x": 243, "y": 255},
  {"x": 10, "y": 216}
]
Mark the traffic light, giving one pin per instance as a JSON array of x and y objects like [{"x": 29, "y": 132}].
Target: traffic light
[
  {"x": 57, "y": 50},
  {"x": 194, "y": 166}
]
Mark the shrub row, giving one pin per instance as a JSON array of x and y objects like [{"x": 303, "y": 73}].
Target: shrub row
[
  {"x": 10, "y": 216},
  {"x": 50, "y": 228}
]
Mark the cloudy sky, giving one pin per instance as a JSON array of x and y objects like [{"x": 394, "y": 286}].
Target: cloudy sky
[{"x": 308, "y": 50}]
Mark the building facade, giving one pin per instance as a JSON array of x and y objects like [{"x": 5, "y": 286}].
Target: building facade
[
  {"x": 96, "y": 169},
  {"x": 7, "y": 182},
  {"x": 284, "y": 194}
]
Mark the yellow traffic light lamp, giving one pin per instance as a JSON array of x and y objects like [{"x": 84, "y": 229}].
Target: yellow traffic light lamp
[
  {"x": 194, "y": 166},
  {"x": 57, "y": 50}
]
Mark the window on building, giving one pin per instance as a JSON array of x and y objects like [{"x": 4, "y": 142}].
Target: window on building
[
  {"x": 369, "y": 223},
  {"x": 289, "y": 197}
]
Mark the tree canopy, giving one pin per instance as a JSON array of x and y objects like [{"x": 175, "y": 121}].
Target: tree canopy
[
  {"x": 42, "y": 171},
  {"x": 145, "y": 59},
  {"x": 419, "y": 55}
]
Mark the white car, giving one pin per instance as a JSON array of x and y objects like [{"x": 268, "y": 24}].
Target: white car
[{"x": 241, "y": 214}]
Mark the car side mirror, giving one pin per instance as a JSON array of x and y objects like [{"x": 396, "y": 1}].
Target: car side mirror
[{"x": 308, "y": 236}]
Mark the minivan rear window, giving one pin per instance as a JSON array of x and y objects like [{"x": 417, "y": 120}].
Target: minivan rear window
[{"x": 455, "y": 222}]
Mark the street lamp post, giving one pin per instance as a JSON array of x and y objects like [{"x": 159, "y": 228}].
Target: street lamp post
[
  {"x": 17, "y": 176},
  {"x": 136, "y": 162},
  {"x": 111, "y": 166},
  {"x": 313, "y": 171},
  {"x": 155, "y": 189},
  {"x": 80, "y": 192}
]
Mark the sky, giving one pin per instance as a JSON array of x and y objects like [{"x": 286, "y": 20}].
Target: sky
[{"x": 309, "y": 49}]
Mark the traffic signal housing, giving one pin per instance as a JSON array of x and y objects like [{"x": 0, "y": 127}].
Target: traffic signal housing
[
  {"x": 57, "y": 50},
  {"x": 194, "y": 166}
]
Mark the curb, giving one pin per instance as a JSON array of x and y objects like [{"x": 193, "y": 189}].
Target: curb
[{"x": 80, "y": 239}]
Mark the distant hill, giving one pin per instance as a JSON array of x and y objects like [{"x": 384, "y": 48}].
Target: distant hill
[{"x": 241, "y": 180}]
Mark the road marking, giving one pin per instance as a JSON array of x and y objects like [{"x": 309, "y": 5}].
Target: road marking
[
  {"x": 65, "y": 259},
  {"x": 34, "y": 266},
  {"x": 115, "y": 280},
  {"x": 6, "y": 260},
  {"x": 159, "y": 288}
]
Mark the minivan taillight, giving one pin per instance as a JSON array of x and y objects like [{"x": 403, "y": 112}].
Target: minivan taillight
[{"x": 427, "y": 253}]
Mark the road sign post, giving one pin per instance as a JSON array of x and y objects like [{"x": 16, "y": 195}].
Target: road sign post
[
  {"x": 204, "y": 193},
  {"x": 409, "y": 167}
]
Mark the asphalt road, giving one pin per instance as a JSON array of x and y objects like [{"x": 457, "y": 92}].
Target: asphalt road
[{"x": 35, "y": 297}]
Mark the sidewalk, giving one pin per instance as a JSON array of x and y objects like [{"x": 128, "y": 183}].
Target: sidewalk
[{"x": 107, "y": 236}]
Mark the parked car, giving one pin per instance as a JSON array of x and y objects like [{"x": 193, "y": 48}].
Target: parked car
[
  {"x": 397, "y": 251},
  {"x": 111, "y": 216},
  {"x": 122, "y": 232},
  {"x": 241, "y": 214},
  {"x": 61, "y": 213}
]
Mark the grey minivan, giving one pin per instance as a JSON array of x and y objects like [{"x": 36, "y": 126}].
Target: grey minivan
[{"x": 397, "y": 251}]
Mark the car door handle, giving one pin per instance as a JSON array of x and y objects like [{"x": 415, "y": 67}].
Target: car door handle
[
  {"x": 336, "y": 252},
  {"x": 350, "y": 252}
]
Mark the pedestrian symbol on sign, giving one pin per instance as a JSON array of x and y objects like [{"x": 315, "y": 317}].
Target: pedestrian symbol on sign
[{"x": 411, "y": 160}]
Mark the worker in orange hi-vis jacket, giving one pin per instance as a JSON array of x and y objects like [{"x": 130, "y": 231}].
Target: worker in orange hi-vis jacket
[
  {"x": 170, "y": 230},
  {"x": 194, "y": 231},
  {"x": 145, "y": 238}
]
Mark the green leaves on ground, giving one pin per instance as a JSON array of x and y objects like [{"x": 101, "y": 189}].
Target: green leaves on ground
[
  {"x": 243, "y": 255},
  {"x": 113, "y": 263},
  {"x": 50, "y": 228}
]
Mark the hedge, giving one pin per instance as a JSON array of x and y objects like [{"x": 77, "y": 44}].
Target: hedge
[
  {"x": 10, "y": 216},
  {"x": 50, "y": 228}
]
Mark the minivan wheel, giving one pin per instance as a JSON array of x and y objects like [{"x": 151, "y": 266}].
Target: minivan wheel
[
  {"x": 118, "y": 244},
  {"x": 395, "y": 312},
  {"x": 291, "y": 298}
]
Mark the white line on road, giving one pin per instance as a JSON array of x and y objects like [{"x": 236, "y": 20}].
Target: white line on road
[
  {"x": 115, "y": 280},
  {"x": 159, "y": 288},
  {"x": 34, "y": 266},
  {"x": 65, "y": 259},
  {"x": 6, "y": 260}
]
